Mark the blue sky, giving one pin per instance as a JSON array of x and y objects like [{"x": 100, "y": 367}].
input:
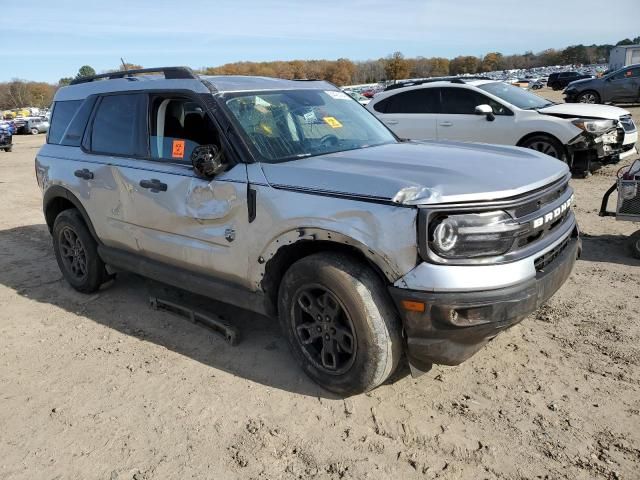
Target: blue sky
[{"x": 46, "y": 40}]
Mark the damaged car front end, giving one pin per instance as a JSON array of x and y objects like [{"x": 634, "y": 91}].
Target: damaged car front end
[
  {"x": 601, "y": 141},
  {"x": 486, "y": 267}
]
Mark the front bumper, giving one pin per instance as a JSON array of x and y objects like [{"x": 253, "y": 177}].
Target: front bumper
[{"x": 455, "y": 325}]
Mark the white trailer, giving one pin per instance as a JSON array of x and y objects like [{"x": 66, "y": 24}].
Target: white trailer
[{"x": 624, "y": 55}]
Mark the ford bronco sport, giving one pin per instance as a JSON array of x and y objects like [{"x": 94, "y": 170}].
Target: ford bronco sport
[{"x": 290, "y": 199}]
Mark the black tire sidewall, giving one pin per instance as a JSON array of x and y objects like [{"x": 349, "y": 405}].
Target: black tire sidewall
[
  {"x": 374, "y": 318},
  {"x": 95, "y": 267},
  {"x": 556, "y": 144}
]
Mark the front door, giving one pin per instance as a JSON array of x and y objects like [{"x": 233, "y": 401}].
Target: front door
[
  {"x": 173, "y": 215},
  {"x": 624, "y": 86}
]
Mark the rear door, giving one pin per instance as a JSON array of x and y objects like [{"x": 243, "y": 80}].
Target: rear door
[
  {"x": 458, "y": 121},
  {"x": 411, "y": 113},
  {"x": 171, "y": 214}
]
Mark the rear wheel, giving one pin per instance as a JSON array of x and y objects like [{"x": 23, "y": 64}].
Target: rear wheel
[
  {"x": 547, "y": 145},
  {"x": 340, "y": 322},
  {"x": 34, "y": 131},
  {"x": 77, "y": 252},
  {"x": 588, "y": 97}
]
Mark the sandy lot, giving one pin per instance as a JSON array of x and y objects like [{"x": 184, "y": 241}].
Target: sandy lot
[{"x": 103, "y": 387}]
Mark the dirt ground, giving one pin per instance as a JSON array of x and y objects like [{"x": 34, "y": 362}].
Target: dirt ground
[{"x": 103, "y": 387}]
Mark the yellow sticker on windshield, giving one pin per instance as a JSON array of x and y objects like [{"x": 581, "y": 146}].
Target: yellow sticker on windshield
[{"x": 332, "y": 122}]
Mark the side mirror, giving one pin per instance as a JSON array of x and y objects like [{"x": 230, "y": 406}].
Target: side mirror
[
  {"x": 485, "y": 110},
  {"x": 207, "y": 160}
]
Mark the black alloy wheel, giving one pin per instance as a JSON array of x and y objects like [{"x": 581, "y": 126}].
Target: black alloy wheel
[
  {"x": 73, "y": 253},
  {"x": 324, "y": 329}
]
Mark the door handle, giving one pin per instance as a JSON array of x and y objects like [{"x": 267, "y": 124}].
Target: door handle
[
  {"x": 84, "y": 173},
  {"x": 154, "y": 185},
  {"x": 391, "y": 122},
  {"x": 446, "y": 124}
]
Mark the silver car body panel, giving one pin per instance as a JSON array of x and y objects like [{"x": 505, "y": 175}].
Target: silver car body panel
[{"x": 441, "y": 172}]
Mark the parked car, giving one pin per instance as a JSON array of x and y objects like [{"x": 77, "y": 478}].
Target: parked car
[
  {"x": 32, "y": 125},
  {"x": 485, "y": 111},
  {"x": 536, "y": 84},
  {"x": 558, "y": 81},
  {"x": 6, "y": 137},
  {"x": 621, "y": 86},
  {"x": 288, "y": 199}
]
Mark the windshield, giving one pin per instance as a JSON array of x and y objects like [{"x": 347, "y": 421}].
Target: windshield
[
  {"x": 515, "y": 95},
  {"x": 291, "y": 124}
]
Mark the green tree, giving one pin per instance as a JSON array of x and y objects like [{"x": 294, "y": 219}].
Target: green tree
[
  {"x": 64, "y": 81},
  {"x": 85, "y": 71}
]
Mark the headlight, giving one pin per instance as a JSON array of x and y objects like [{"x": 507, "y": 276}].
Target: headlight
[
  {"x": 594, "y": 126},
  {"x": 472, "y": 235}
]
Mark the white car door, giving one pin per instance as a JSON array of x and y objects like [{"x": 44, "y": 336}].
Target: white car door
[
  {"x": 458, "y": 121},
  {"x": 411, "y": 113}
]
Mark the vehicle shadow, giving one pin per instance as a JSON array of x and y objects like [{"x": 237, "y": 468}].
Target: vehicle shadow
[
  {"x": 28, "y": 266},
  {"x": 607, "y": 249}
]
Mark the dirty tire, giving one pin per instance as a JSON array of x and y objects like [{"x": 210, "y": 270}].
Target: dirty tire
[
  {"x": 365, "y": 305},
  {"x": 547, "y": 145},
  {"x": 634, "y": 244},
  {"x": 71, "y": 233}
]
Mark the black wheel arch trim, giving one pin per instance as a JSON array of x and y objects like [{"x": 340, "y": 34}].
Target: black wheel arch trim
[{"x": 58, "y": 191}]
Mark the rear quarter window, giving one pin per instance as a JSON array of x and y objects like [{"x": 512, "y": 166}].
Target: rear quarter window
[{"x": 62, "y": 114}]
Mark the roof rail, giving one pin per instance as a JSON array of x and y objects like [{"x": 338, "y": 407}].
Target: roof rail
[
  {"x": 411, "y": 83},
  {"x": 170, "y": 73}
]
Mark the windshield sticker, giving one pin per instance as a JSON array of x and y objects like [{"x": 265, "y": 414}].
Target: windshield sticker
[
  {"x": 332, "y": 122},
  {"x": 177, "y": 149},
  {"x": 310, "y": 116},
  {"x": 337, "y": 95}
]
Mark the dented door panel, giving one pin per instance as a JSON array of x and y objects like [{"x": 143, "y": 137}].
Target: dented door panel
[{"x": 195, "y": 223}]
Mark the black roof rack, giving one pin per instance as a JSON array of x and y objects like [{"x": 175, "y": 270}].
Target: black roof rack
[
  {"x": 170, "y": 73},
  {"x": 411, "y": 83}
]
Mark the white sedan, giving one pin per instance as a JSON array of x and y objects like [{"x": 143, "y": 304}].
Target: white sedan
[{"x": 488, "y": 111}]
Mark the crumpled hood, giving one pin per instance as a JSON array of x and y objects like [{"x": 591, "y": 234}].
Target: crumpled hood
[
  {"x": 421, "y": 172},
  {"x": 585, "y": 110}
]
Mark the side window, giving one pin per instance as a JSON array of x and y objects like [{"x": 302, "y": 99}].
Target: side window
[
  {"x": 462, "y": 101},
  {"x": 73, "y": 134},
  {"x": 421, "y": 100},
  {"x": 62, "y": 114},
  {"x": 119, "y": 124},
  {"x": 177, "y": 126}
]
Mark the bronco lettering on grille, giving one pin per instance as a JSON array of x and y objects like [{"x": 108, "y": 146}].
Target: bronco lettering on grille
[{"x": 552, "y": 215}]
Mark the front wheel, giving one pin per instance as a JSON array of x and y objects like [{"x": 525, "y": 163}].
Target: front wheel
[
  {"x": 34, "y": 131},
  {"x": 547, "y": 145},
  {"x": 588, "y": 97},
  {"x": 340, "y": 322}
]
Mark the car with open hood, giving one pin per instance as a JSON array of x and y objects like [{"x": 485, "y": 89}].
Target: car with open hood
[
  {"x": 290, "y": 199},
  {"x": 487, "y": 111}
]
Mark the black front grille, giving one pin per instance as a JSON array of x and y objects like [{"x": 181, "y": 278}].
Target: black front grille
[{"x": 544, "y": 260}]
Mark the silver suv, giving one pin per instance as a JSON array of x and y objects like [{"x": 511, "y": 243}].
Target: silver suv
[{"x": 290, "y": 199}]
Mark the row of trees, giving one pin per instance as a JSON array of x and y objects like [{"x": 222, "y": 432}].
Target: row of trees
[
  {"x": 21, "y": 93},
  {"x": 396, "y": 66}
]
